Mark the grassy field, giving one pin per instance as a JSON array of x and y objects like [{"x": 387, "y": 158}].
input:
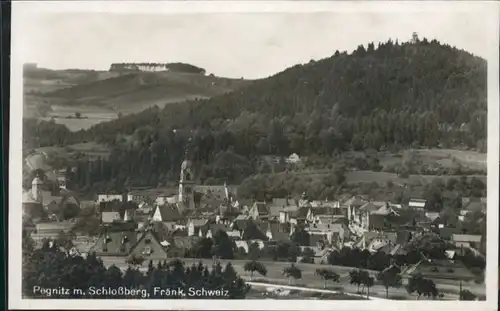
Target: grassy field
[
  {"x": 310, "y": 280},
  {"x": 382, "y": 178},
  {"x": 91, "y": 150},
  {"x": 100, "y": 96},
  {"x": 446, "y": 157}
]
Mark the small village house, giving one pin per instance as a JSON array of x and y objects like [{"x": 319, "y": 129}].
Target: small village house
[
  {"x": 417, "y": 204},
  {"x": 466, "y": 240}
]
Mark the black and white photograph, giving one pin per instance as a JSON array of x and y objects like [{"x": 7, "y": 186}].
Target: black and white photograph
[{"x": 187, "y": 155}]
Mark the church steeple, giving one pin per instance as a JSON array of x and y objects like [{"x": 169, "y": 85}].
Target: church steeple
[{"x": 186, "y": 180}]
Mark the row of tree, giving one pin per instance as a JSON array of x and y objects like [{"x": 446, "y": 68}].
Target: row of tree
[{"x": 51, "y": 268}]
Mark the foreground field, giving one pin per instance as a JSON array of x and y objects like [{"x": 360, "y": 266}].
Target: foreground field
[{"x": 310, "y": 280}]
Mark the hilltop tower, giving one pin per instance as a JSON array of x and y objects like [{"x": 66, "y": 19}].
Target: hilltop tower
[{"x": 186, "y": 181}]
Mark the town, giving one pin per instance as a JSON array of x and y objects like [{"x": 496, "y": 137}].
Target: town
[{"x": 364, "y": 247}]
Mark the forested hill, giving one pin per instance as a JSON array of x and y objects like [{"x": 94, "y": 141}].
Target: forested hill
[
  {"x": 389, "y": 95},
  {"x": 423, "y": 93}
]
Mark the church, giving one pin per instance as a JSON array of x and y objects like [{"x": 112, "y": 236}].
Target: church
[
  {"x": 192, "y": 196},
  {"x": 43, "y": 202}
]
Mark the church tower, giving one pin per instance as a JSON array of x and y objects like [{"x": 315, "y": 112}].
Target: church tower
[
  {"x": 36, "y": 188},
  {"x": 186, "y": 182}
]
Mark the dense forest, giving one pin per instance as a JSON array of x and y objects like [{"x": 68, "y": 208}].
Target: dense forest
[{"x": 388, "y": 96}]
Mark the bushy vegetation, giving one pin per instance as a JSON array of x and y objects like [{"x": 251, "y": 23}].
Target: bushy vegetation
[{"x": 50, "y": 268}]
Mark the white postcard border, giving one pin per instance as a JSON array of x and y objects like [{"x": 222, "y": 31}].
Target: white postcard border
[{"x": 19, "y": 9}]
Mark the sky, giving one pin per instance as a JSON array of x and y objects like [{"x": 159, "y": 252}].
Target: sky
[{"x": 249, "y": 45}]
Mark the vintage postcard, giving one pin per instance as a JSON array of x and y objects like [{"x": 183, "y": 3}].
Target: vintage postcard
[{"x": 206, "y": 155}]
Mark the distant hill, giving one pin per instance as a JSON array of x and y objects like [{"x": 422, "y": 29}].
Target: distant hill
[
  {"x": 58, "y": 93},
  {"x": 145, "y": 89},
  {"x": 175, "y": 67},
  {"x": 41, "y": 80}
]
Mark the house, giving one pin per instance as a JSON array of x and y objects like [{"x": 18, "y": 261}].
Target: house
[
  {"x": 150, "y": 247},
  {"x": 473, "y": 206},
  {"x": 110, "y": 217},
  {"x": 374, "y": 241},
  {"x": 32, "y": 209},
  {"x": 321, "y": 254},
  {"x": 167, "y": 213},
  {"x": 385, "y": 210},
  {"x": 259, "y": 211},
  {"x": 109, "y": 197},
  {"x": 115, "y": 243},
  {"x": 432, "y": 216},
  {"x": 181, "y": 245},
  {"x": 439, "y": 269},
  {"x": 467, "y": 200},
  {"x": 466, "y": 240},
  {"x": 446, "y": 233},
  {"x": 194, "y": 226},
  {"x": 212, "y": 230},
  {"x": 166, "y": 199},
  {"x": 417, "y": 204},
  {"x": 240, "y": 222},
  {"x": 293, "y": 159},
  {"x": 50, "y": 230},
  {"x": 242, "y": 244},
  {"x": 286, "y": 213},
  {"x": 276, "y": 231},
  {"x": 332, "y": 231}
]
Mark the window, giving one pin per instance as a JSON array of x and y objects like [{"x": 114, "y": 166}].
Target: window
[
  {"x": 147, "y": 251},
  {"x": 147, "y": 241}
]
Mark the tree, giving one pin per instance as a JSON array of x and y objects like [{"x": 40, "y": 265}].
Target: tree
[
  {"x": 135, "y": 260},
  {"x": 253, "y": 251},
  {"x": 292, "y": 272},
  {"x": 78, "y": 115},
  {"x": 223, "y": 246},
  {"x": 368, "y": 282},
  {"x": 65, "y": 239},
  {"x": 52, "y": 268},
  {"x": 253, "y": 266},
  {"x": 328, "y": 275},
  {"x": 308, "y": 255},
  {"x": 389, "y": 278},
  {"x": 300, "y": 237},
  {"x": 422, "y": 287},
  {"x": 355, "y": 278},
  {"x": 467, "y": 295}
]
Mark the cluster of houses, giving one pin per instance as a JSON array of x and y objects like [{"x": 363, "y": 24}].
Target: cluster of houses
[
  {"x": 158, "y": 232},
  {"x": 170, "y": 224}
]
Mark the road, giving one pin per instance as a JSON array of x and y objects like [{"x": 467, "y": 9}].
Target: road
[
  {"x": 275, "y": 276},
  {"x": 306, "y": 289}
]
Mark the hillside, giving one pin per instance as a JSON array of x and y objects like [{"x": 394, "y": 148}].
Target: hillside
[
  {"x": 143, "y": 89},
  {"x": 424, "y": 93},
  {"x": 388, "y": 97},
  {"x": 98, "y": 96},
  {"x": 39, "y": 81}
]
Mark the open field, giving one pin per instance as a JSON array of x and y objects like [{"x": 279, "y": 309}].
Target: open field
[
  {"x": 310, "y": 280},
  {"x": 42, "y": 80},
  {"x": 100, "y": 95},
  {"x": 447, "y": 158},
  {"x": 43, "y": 155},
  {"x": 383, "y": 178}
]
